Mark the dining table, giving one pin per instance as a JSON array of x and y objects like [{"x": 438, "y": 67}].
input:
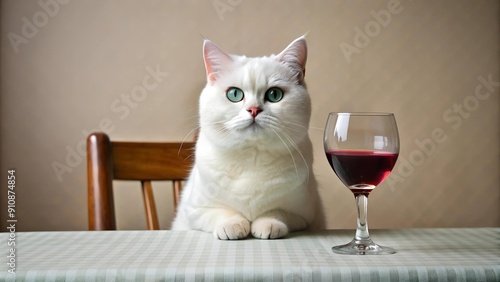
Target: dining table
[{"x": 423, "y": 254}]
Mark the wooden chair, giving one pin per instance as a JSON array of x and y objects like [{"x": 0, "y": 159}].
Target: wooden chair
[{"x": 108, "y": 161}]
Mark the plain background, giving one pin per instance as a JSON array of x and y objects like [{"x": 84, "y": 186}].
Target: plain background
[{"x": 67, "y": 68}]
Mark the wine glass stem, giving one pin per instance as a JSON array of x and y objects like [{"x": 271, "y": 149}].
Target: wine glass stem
[{"x": 362, "y": 233}]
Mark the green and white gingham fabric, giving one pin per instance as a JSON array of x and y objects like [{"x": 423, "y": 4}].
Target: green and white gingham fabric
[{"x": 465, "y": 254}]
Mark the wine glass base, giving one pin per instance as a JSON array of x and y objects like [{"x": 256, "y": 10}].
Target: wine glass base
[{"x": 362, "y": 247}]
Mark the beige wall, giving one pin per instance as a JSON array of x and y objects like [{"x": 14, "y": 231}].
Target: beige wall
[{"x": 66, "y": 72}]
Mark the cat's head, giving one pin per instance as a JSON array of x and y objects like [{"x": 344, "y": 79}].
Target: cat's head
[{"x": 261, "y": 100}]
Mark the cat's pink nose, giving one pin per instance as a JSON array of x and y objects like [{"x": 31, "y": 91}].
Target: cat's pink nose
[{"x": 254, "y": 111}]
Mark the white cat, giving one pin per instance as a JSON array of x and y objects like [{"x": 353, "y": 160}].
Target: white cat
[{"x": 253, "y": 164}]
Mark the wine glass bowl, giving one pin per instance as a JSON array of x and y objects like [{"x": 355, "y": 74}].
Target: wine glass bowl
[{"x": 362, "y": 149}]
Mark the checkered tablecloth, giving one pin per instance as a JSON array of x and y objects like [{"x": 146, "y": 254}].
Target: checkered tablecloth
[{"x": 465, "y": 254}]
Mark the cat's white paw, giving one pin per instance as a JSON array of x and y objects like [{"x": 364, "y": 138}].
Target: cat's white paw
[
  {"x": 269, "y": 228},
  {"x": 233, "y": 229}
]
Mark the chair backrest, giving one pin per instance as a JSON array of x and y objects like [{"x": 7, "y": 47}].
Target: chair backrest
[{"x": 145, "y": 162}]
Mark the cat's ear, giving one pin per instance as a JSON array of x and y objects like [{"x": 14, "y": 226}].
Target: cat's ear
[
  {"x": 215, "y": 59},
  {"x": 295, "y": 55}
]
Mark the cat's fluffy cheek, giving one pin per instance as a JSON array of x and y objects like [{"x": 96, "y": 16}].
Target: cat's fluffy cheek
[
  {"x": 269, "y": 228},
  {"x": 232, "y": 229}
]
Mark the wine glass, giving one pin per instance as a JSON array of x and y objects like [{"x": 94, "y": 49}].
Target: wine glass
[{"x": 362, "y": 149}]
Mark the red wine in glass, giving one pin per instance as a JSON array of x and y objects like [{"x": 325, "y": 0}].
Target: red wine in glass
[
  {"x": 361, "y": 170},
  {"x": 362, "y": 149}
]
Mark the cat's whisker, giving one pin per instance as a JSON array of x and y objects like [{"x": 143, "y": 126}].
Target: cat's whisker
[
  {"x": 185, "y": 137},
  {"x": 189, "y": 156},
  {"x": 184, "y": 141},
  {"x": 305, "y": 127},
  {"x": 297, "y": 149},
  {"x": 296, "y": 124},
  {"x": 219, "y": 130},
  {"x": 193, "y": 117},
  {"x": 289, "y": 151},
  {"x": 290, "y": 129},
  {"x": 236, "y": 123},
  {"x": 275, "y": 126},
  {"x": 283, "y": 130}
]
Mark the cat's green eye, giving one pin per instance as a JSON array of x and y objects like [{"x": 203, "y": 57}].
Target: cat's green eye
[
  {"x": 274, "y": 94},
  {"x": 234, "y": 94}
]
